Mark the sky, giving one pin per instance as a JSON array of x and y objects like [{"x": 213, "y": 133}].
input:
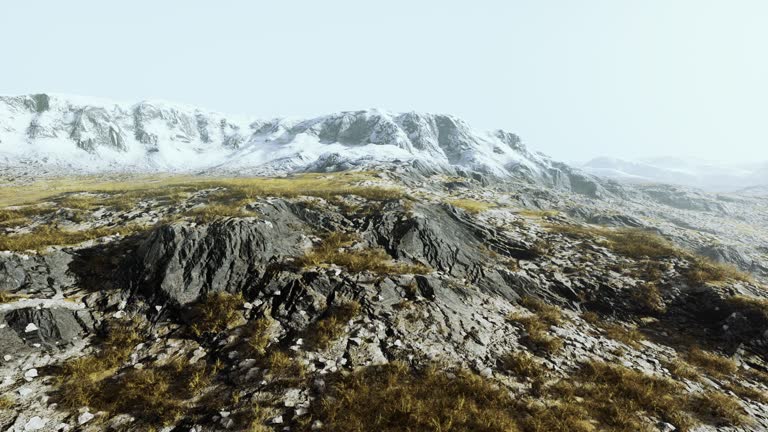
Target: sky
[{"x": 575, "y": 79}]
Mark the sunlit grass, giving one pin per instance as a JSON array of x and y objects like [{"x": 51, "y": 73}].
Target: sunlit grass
[{"x": 312, "y": 184}]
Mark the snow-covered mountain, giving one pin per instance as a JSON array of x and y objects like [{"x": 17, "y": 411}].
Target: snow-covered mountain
[
  {"x": 91, "y": 135},
  {"x": 706, "y": 175}
]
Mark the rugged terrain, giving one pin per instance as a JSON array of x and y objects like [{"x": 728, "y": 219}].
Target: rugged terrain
[
  {"x": 386, "y": 299},
  {"x": 382, "y": 272}
]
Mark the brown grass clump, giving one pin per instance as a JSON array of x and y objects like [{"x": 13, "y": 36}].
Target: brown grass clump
[
  {"x": 723, "y": 408},
  {"x": 745, "y": 392},
  {"x": 628, "y": 335},
  {"x": 591, "y": 317},
  {"x": 334, "y": 250},
  {"x": 393, "y": 398},
  {"x": 536, "y": 337},
  {"x": 20, "y": 215},
  {"x": 630, "y": 242},
  {"x": 45, "y": 236},
  {"x": 649, "y": 298},
  {"x": 703, "y": 270},
  {"x": 332, "y": 324},
  {"x": 681, "y": 369},
  {"x": 471, "y": 206},
  {"x": 6, "y": 297},
  {"x": 548, "y": 313},
  {"x": 155, "y": 394},
  {"x": 636, "y": 243},
  {"x": 538, "y": 213},
  {"x": 282, "y": 365},
  {"x": 523, "y": 364},
  {"x": 79, "y": 379},
  {"x": 216, "y": 312},
  {"x": 556, "y": 416},
  {"x": 714, "y": 364},
  {"x": 615, "y": 397},
  {"x": 257, "y": 335},
  {"x": 6, "y": 403}
]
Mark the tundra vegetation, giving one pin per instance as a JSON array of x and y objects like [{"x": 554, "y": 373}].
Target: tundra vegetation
[{"x": 316, "y": 340}]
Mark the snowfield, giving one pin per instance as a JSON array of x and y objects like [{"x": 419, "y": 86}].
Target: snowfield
[{"x": 94, "y": 135}]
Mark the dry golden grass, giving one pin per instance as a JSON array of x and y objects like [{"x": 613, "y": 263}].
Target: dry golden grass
[
  {"x": 21, "y": 215},
  {"x": 256, "y": 418},
  {"x": 630, "y": 336},
  {"x": 6, "y": 403},
  {"x": 598, "y": 397},
  {"x": 334, "y": 250},
  {"x": 723, "y": 408},
  {"x": 536, "y": 325},
  {"x": 644, "y": 245},
  {"x": 282, "y": 364},
  {"x": 332, "y": 324},
  {"x": 257, "y": 335},
  {"x": 156, "y": 394},
  {"x": 711, "y": 363},
  {"x": 471, "y": 206},
  {"x": 548, "y": 313},
  {"x": 45, "y": 236},
  {"x": 134, "y": 187},
  {"x": 216, "y": 312},
  {"x": 591, "y": 317},
  {"x": 630, "y": 242},
  {"x": 704, "y": 270},
  {"x": 755, "y": 394},
  {"x": 538, "y": 213},
  {"x": 395, "y": 398},
  {"x": 536, "y": 337},
  {"x": 681, "y": 369},
  {"x": 556, "y": 416},
  {"x": 80, "y": 378},
  {"x": 618, "y": 393},
  {"x": 649, "y": 297},
  {"x": 616, "y": 397},
  {"x": 523, "y": 364},
  {"x": 6, "y": 297}
]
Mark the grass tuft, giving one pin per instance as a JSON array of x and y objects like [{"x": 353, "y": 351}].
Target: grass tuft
[
  {"x": 471, "y": 206},
  {"x": 703, "y": 270},
  {"x": 45, "y": 236},
  {"x": 216, "y": 312},
  {"x": 6, "y": 403},
  {"x": 395, "y": 398},
  {"x": 714, "y": 364},
  {"x": 332, "y": 324},
  {"x": 522, "y": 364},
  {"x": 334, "y": 250}
]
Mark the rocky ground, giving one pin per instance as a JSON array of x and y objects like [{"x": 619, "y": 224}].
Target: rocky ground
[{"x": 381, "y": 301}]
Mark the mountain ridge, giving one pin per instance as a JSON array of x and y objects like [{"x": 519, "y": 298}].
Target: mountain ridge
[
  {"x": 707, "y": 175},
  {"x": 98, "y": 135}
]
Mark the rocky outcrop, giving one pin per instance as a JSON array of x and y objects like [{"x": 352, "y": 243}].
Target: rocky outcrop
[{"x": 182, "y": 261}]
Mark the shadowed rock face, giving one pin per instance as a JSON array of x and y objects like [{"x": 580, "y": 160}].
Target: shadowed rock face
[
  {"x": 180, "y": 262},
  {"x": 448, "y": 240},
  {"x": 48, "y": 326}
]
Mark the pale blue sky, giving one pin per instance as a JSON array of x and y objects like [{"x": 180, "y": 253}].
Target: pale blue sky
[{"x": 575, "y": 79}]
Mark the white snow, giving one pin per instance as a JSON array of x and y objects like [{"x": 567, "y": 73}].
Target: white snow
[{"x": 96, "y": 135}]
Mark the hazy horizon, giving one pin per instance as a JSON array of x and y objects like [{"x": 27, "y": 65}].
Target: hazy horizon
[{"x": 602, "y": 78}]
